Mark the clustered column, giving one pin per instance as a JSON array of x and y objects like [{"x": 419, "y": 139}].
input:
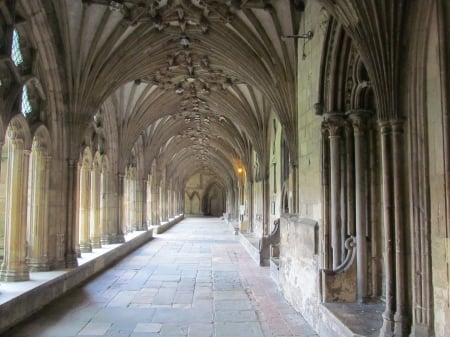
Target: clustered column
[
  {"x": 14, "y": 267},
  {"x": 394, "y": 317}
]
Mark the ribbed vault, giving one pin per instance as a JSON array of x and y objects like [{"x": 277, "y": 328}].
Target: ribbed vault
[{"x": 194, "y": 81}]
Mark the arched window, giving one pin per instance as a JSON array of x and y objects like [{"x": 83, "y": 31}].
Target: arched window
[{"x": 16, "y": 54}]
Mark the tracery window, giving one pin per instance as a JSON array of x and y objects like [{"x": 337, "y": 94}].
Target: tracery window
[
  {"x": 25, "y": 105},
  {"x": 16, "y": 54}
]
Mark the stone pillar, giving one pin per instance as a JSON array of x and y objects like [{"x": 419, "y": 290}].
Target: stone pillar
[
  {"x": 163, "y": 199},
  {"x": 326, "y": 228},
  {"x": 360, "y": 135},
  {"x": 71, "y": 241},
  {"x": 38, "y": 233},
  {"x": 156, "y": 220},
  {"x": 14, "y": 267},
  {"x": 83, "y": 211},
  {"x": 95, "y": 232},
  {"x": 388, "y": 219},
  {"x": 148, "y": 200},
  {"x": 119, "y": 209},
  {"x": 401, "y": 314},
  {"x": 105, "y": 209},
  {"x": 334, "y": 127}
]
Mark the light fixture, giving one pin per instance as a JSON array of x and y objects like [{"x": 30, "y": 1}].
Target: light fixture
[
  {"x": 239, "y": 170},
  {"x": 308, "y": 36}
]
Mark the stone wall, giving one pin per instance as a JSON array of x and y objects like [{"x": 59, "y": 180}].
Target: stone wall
[{"x": 299, "y": 270}]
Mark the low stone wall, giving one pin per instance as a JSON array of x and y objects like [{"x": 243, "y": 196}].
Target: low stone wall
[
  {"x": 167, "y": 225},
  {"x": 299, "y": 277},
  {"x": 29, "y": 302}
]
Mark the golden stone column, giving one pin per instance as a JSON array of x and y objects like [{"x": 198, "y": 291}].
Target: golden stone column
[
  {"x": 83, "y": 211},
  {"x": 155, "y": 202},
  {"x": 105, "y": 211},
  {"x": 95, "y": 231},
  {"x": 38, "y": 233},
  {"x": 14, "y": 267}
]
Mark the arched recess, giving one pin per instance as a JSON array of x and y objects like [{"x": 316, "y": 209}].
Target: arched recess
[
  {"x": 15, "y": 178},
  {"x": 213, "y": 201},
  {"x": 192, "y": 203},
  {"x": 39, "y": 254},
  {"x": 84, "y": 189},
  {"x": 351, "y": 190}
]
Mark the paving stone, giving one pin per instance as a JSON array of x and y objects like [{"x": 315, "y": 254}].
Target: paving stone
[{"x": 195, "y": 280}]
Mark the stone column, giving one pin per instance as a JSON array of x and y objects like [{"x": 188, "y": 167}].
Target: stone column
[
  {"x": 326, "y": 228},
  {"x": 71, "y": 234},
  {"x": 388, "y": 219},
  {"x": 38, "y": 233},
  {"x": 360, "y": 135},
  {"x": 148, "y": 199},
  {"x": 95, "y": 232},
  {"x": 83, "y": 211},
  {"x": 401, "y": 314},
  {"x": 119, "y": 209},
  {"x": 334, "y": 127},
  {"x": 155, "y": 202},
  {"x": 14, "y": 267},
  {"x": 163, "y": 199},
  {"x": 105, "y": 209}
]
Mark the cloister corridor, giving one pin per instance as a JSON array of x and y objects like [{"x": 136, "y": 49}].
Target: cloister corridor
[{"x": 195, "y": 280}]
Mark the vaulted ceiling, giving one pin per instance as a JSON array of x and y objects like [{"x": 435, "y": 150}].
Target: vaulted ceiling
[{"x": 193, "y": 82}]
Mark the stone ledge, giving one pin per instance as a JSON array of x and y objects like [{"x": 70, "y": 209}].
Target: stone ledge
[
  {"x": 251, "y": 244},
  {"x": 350, "y": 319},
  {"x": 19, "y": 300},
  {"x": 167, "y": 225}
]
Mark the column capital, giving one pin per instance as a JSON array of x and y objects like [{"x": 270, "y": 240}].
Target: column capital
[
  {"x": 334, "y": 122},
  {"x": 359, "y": 118}
]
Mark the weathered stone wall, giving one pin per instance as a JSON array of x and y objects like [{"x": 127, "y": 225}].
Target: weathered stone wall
[
  {"x": 299, "y": 270},
  {"x": 440, "y": 241}
]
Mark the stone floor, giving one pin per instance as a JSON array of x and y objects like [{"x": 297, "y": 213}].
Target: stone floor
[{"x": 195, "y": 280}]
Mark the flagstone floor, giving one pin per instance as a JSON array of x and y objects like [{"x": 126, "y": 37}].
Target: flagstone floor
[{"x": 195, "y": 280}]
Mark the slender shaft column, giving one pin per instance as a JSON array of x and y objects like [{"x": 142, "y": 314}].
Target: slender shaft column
[
  {"x": 95, "y": 232},
  {"x": 401, "y": 317},
  {"x": 71, "y": 234},
  {"x": 148, "y": 208},
  {"x": 326, "y": 235},
  {"x": 84, "y": 191},
  {"x": 163, "y": 199},
  {"x": 266, "y": 204},
  {"x": 334, "y": 125},
  {"x": 13, "y": 267},
  {"x": 156, "y": 219},
  {"x": 105, "y": 200},
  {"x": 119, "y": 209},
  {"x": 360, "y": 202},
  {"x": 38, "y": 233},
  {"x": 388, "y": 219}
]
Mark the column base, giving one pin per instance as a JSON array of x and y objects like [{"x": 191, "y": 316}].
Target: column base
[
  {"x": 85, "y": 247},
  {"x": 105, "y": 240},
  {"x": 387, "y": 330},
  {"x": 95, "y": 242},
  {"x": 401, "y": 325},
  {"x": 120, "y": 238},
  {"x": 71, "y": 260},
  {"x": 421, "y": 330},
  {"x": 36, "y": 265},
  {"x": 18, "y": 275}
]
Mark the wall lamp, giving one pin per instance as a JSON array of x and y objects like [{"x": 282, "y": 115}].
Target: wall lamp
[{"x": 308, "y": 36}]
